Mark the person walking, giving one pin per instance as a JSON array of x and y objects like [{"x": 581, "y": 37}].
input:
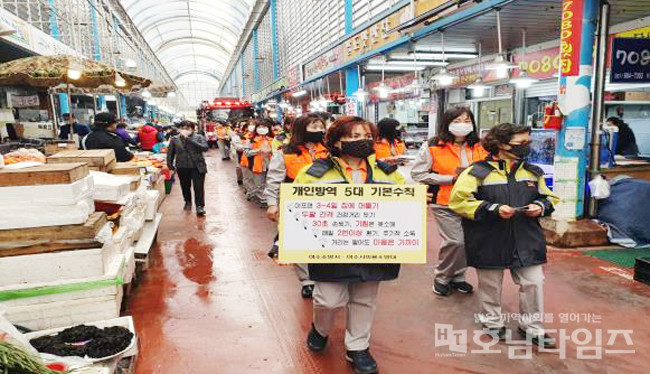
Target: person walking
[
  {"x": 305, "y": 146},
  {"x": 223, "y": 141},
  {"x": 256, "y": 159},
  {"x": 185, "y": 155},
  {"x": 350, "y": 142},
  {"x": 104, "y": 137},
  {"x": 437, "y": 164},
  {"x": 501, "y": 200},
  {"x": 248, "y": 129},
  {"x": 389, "y": 146}
]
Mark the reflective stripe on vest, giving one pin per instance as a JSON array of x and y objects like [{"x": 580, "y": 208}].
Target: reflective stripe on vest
[{"x": 446, "y": 161}]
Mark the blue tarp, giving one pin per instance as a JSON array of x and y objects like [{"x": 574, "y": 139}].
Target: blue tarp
[{"x": 627, "y": 212}]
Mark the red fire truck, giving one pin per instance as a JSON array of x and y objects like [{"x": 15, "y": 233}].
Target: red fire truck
[{"x": 222, "y": 110}]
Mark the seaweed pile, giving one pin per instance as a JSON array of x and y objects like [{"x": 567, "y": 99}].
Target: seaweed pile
[{"x": 84, "y": 341}]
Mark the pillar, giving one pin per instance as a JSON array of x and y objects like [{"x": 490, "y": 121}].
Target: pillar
[
  {"x": 97, "y": 47},
  {"x": 64, "y": 104},
  {"x": 578, "y": 35},
  {"x": 122, "y": 99},
  {"x": 256, "y": 64},
  {"x": 243, "y": 73},
  {"x": 275, "y": 45}
]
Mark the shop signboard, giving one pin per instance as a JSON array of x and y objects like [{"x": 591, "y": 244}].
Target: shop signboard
[
  {"x": 24, "y": 101},
  {"x": 468, "y": 74},
  {"x": 375, "y": 35},
  {"x": 352, "y": 106},
  {"x": 294, "y": 76},
  {"x": 630, "y": 61},
  {"x": 542, "y": 64},
  {"x": 570, "y": 37},
  {"x": 396, "y": 84},
  {"x": 343, "y": 223},
  {"x": 22, "y": 35},
  {"x": 327, "y": 60},
  {"x": 423, "y": 6}
]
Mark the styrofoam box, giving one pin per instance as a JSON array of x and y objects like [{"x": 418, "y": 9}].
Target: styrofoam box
[
  {"x": 54, "y": 194},
  {"x": 40, "y": 215},
  {"x": 153, "y": 197},
  {"x": 110, "y": 187},
  {"x": 68, "y": 308},
  {"x": 49, "y": 267},
  {"x": 129, "y": 268},
  {"x": 126, "y": 322}
]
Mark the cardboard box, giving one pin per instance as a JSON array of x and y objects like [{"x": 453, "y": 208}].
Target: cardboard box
[{"x": 97, "y": 159}]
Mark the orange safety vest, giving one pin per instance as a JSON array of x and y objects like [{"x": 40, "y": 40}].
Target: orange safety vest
[
  {"x": 446, "y": 161},
  {"x": 383, "y": 149},
  {"x": 258, "y": 159},
  {"x": 222, "y": 132},
  {"x": 294, "y": 163}
]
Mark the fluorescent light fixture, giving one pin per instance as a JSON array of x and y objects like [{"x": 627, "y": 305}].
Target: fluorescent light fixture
[
  {"x": 146, "y": 93},
  {"x": 427, "y": 56},
  {"x": 393, "y": 68},
  {"x": 419, "y": 63},
  {"x": 433, "y": 49},
  {"x": 299, "y": 93}
]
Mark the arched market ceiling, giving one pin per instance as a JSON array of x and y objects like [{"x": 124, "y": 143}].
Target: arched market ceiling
[{"x": 193, "y": 39}]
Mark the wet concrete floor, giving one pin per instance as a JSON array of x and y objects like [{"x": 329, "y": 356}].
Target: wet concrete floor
[{"x": 213, "y": 302}]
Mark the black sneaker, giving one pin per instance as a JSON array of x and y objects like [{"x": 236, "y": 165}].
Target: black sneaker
[
  {"x": 240, "y": 182},
  {"x": 188, "y": 206},
  {"x": 462, "y": 287},
  {"x": 307, "y": 291},
  {"x": 200, "y": 211},
  {"x": 362, "y": 361},
  {"x": 315, "y": 341},
  {"x": 264, "y": 206},
  {"x": 496, "y": 333},
  {"x": 546, "y": 341},
  {"x": 441, "y": 289},
  {"x": 273, "y": 253}
]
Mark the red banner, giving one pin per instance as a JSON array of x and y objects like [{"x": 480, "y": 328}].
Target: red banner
[{"x": 570, "y": 37}]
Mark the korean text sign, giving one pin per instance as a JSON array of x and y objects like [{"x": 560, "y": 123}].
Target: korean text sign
[
  {"x": 630, "y": 61},
  {"x": 347, "y": 223},
  {"x": 570, "y": 36}
]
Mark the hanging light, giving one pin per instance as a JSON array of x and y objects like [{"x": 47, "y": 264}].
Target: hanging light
[
  {"x": 478, "y": 87},
  {"x": 500, "y": 63},
  {"x": 171, "y": 94},
  {"x": 146, "y": 93},
  {"x": 299, "y": 93},
  {"x": 119, "y": 81},
  {"x": 443, "y": 77},
  {"x": 523, "y": 80},
  {"x": 361, "y": 93},
  {"x": 129, "y": 63},
  {"x": 383, "y": 90},
  {"x": 74, "y": 70}
]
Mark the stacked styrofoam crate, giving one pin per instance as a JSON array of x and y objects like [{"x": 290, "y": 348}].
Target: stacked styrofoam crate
[{"x": 46, "y": 279}]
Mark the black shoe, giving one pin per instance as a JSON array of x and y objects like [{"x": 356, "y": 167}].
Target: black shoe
[
  {"x": 200, "y": 211},
  {"x": 315, "y": 341},
  {"x": 240, "y": 182},
  {"x": 188, "y": 206},
  {"x": 307, "y": 291},
  {"x": 462, "y": 287},
  {"x": 441, "y": 289},
  {"x": 496, "y": 333},
  {"x": 546, "y": 341},
  {"x": 273, "y": 253},
  {"x": 264, "y": 206},
  {"x": 362, "y": 361}
]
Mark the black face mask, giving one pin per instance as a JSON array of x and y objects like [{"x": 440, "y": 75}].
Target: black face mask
[
  {"x": 314, "y": 136},
  {"x": 520, "y": 150},
  {"x": 359, "y": 148}
]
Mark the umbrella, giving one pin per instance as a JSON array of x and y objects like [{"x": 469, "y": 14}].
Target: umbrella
[{"x": 51, "y": 71}]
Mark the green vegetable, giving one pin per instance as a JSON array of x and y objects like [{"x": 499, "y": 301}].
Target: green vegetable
[{"x": 14, "y": 360}]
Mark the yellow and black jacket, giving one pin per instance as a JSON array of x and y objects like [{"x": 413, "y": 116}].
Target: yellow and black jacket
[
  {"x": 490, "y": 241},
  {"x": 329, "y": 171}
]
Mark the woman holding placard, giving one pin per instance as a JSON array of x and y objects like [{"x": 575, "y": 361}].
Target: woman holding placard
[
  {"x": 438, "y": 164},
  {"x": 350, "y": 141}
]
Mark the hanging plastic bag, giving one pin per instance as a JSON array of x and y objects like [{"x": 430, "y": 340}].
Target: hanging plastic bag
[{"x": 599, "y": 188}]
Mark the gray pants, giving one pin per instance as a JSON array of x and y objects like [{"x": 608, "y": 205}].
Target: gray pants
[
  {"x": 247, "y": 178},
  {"x": 360, "y": 299},
  {"x": 302, "y": 271},
  {"x": 530, "y": 280},
  {"x": 259, "y": 184},
  {"x": 223, "y": 148},
  {"x": 452, "y": 259}
]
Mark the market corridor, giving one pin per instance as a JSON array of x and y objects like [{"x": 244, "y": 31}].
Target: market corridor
[{"x": 213, "y": 302}]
